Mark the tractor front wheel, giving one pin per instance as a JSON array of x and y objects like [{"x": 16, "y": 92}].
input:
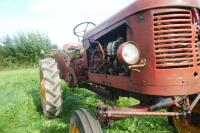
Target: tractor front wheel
[
  {"x": 83, "y": 122},
  {"x": 191, "y": 124},
  {"x": 51, "y": 93}
]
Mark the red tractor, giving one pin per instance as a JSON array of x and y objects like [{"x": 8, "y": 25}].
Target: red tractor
[{"x": 148, "y": 51}]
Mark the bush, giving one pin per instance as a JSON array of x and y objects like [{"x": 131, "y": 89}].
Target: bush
[{"x": 24, "y": 49}]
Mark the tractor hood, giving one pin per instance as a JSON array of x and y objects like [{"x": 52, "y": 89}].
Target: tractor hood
[{"x": 138, "y": 6}]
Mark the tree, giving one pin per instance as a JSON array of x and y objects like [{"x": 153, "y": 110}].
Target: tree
[{"x": 24, "y": 48}]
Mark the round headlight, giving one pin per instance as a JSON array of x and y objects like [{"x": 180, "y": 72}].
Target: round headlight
[{"x": 128, "y": 53}]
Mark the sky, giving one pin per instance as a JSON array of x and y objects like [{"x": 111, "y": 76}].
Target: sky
[{"x": 56, "y": 18}]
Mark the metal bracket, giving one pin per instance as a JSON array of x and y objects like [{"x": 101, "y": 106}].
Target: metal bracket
[
  {"x": 107, "y": 114},
  {"x": 194, "y": 102},
  {"x": 141, "y": 64}
]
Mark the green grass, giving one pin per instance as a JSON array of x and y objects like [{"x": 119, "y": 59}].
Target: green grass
[{"x": 21, "y": 112}]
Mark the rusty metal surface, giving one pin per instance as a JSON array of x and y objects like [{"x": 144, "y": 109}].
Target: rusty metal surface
[
  {"x": 66, "y": 70},
  {"x": 170, "y": 47},
  {"x": 125, "y": 83},
  {"x": 126, "y": 113},
  {"x": 104, "y": 118},
  {"x": 63, "y": 63},
  {"x": 80, "y": 68},
  {"x": 138, "y": 6},
  {"x": 167, "y": 36},
  {"x": 70, "y": 46},
  {"x": 106, "y": 114},
  {"x": 174, "y": 39}
]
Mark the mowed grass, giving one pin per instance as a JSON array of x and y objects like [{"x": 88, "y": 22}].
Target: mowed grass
[{"x": 21, "y": 112}]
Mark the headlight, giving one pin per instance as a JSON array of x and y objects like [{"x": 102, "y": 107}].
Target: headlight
[{"x": 128, "y": 53}]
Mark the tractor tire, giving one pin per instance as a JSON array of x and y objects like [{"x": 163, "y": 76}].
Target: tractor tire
[
  {"x": 83, "y": 122},
  {"x": 169, "y": 118},
  {"x": 51, "y": 93},
  {"x": 183, "y": 125}
]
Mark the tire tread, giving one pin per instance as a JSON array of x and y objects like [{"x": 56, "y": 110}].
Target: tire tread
[{"x": 53, "y": 105}]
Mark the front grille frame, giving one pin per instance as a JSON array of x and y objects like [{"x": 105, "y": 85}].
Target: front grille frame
[{"x": 175, "y": 39}]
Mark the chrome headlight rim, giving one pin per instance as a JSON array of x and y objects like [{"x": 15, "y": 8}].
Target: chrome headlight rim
[{"x": 128, "y": 56}]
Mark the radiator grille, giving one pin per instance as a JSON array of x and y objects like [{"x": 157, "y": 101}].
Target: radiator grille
[{"x": 174, "y": 39}]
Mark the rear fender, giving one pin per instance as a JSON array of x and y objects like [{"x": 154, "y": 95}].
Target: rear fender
[{"x": 67, "y": 72}]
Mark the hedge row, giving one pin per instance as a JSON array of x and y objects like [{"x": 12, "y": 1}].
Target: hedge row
[{"x": 24, "y": 49}]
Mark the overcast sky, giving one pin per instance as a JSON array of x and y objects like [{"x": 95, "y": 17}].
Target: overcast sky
[{"x": 56, "y": 18}]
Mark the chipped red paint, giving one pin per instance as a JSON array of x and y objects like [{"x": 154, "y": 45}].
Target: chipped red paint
[
  {"x": 160, "y": 76},
  {"x": 140, "y": 6},
  {"x": 173, "y": 60}
]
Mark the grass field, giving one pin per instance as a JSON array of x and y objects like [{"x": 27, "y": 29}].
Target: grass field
[{"x": 20, "y": 108}]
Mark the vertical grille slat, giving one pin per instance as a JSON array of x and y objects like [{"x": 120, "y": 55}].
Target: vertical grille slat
[{"x": 174, "y": 39}]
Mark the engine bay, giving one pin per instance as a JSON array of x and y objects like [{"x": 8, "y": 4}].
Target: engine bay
[{"x": 102, "y": 54}]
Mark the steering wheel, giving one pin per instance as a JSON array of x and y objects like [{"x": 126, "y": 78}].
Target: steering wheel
[{"x": 82, "y": 28}]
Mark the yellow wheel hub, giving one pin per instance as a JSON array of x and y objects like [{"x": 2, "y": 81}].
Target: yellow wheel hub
[
  {"x": 184, "y": 125},
  {"x": 43, "y": 90},
  {"x": 74, "y": 128}
]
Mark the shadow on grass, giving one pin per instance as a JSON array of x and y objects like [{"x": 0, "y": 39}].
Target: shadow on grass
[
  {"x": 35, "y": 94},
  {"x": 75, "y": 99},
  {"x": 72, "y": 100},
  {"x": 81, "y": 98}
]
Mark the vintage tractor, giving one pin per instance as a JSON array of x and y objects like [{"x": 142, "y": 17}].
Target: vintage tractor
[{"x": 148, "y": 51}]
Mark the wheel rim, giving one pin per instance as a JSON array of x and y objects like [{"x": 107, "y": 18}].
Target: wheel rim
[
  {"x": 75, "y": 128},
  {"x": 43, "y": 89},
  {"x": 190, "y": 125}
]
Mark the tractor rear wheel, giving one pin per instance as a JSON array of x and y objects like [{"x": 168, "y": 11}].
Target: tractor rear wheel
[
  {"x": 51, "y": 93},
  {"x": 186, "y": 125},
  {"x": 83, "y": 122}
]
